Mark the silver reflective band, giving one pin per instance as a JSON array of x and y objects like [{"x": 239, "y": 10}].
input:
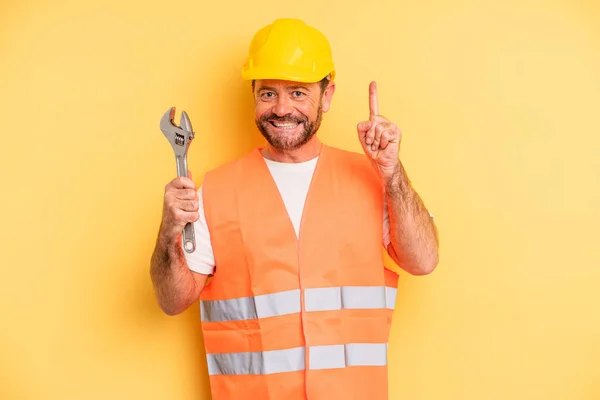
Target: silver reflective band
[
  {"x": 288, "y": 302},
  {"x": 349, "y": 355},
  {"x": 350, "y": 297},
  {"x": 290, "y": 360},
  {"x": 326, "y": 357},
  {"x": 390, "y": 297},
  {"x": 363, "y": 297},
  {"x": 323, "y": 299},
  {"x": 256, "y": 363},
  {"x": 373, "y": 354},
  {"x": 263, "y": 306}
]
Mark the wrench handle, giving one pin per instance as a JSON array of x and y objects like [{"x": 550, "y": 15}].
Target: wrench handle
[
  {"x": 189, "y": 239},
  {"x": 181, "y": 166}
]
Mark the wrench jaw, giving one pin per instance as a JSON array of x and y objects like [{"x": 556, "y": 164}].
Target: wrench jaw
[
  {"x": 166, "y": 122},
  {"x": 186, "y": 124},
  {"x": 179, "y": 137}
]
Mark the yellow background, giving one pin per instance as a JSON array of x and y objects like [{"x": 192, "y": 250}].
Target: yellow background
[{"x": 499, "y": 104}]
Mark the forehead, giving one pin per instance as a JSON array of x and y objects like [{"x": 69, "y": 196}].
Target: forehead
[{"x": 275, "y": 84}]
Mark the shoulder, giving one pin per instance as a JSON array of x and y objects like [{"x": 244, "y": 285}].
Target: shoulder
[
  {"x": 352, "y": 161},
  {"x": 228, "y": 168},
  {"x": 348, "y": 156}
]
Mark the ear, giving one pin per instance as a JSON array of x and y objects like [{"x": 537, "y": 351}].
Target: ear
[{"x": 327, "y": 96}]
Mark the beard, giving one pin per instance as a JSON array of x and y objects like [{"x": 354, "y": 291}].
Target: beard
[{"x": 292, "y": 141}]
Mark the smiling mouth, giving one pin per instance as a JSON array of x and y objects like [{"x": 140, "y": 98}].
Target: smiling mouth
[{"x": 284, "y": 125}]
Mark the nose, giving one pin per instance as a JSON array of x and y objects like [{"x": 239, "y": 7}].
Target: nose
[{"x": 283, "y": 106}]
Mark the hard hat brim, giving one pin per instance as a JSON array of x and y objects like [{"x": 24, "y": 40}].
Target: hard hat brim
[{"x": 286, "y": 74}]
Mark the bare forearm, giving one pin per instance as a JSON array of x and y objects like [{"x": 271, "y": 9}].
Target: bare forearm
[
  {"x": 413, "y": 235},
  {"x": 173, "y": 282}
]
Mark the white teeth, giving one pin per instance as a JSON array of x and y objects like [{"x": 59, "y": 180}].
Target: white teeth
[{"x": 285, "y": 126}]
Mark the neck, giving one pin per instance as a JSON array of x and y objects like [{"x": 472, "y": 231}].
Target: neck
[{"x": 310, "y": 150}]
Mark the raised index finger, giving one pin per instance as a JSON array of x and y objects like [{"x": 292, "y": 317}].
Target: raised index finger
[{"x": 373, "y": 106}]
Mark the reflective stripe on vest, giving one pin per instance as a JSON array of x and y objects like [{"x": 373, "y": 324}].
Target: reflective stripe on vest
[
  {"x": 256, "y": 363},
  {"x": 288, "y": 302},
  {"x": 263, "y": 306},
  {"x": 290, "y": 360}
]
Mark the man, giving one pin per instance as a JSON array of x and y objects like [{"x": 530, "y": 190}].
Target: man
[{"x": 299, "y": 303}]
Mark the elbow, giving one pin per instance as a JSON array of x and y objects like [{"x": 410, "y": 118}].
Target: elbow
[
  {"x": 176, "y": 306},
  {"x": 417, "y": 266},
  {"x": 173, "y": 299},
  {"x": 172, "y": 309},
  {"x": 425, "y": 267},
  {"x": 427, "y": 264}
]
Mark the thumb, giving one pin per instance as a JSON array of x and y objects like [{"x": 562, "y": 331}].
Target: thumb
[{"x": 189, "y": 174}]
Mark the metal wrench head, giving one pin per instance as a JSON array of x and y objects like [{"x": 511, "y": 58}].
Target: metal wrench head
[
  {"x": 185, "y": 123},
  {"x": 180, "y": 137}
]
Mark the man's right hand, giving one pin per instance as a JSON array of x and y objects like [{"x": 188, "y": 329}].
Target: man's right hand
[
  {"x": 176, "y": 286},
  {"x": 180, "y": 206}
]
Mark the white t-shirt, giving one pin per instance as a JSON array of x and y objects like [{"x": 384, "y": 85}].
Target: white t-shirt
[{"x": 292, "y": 180}]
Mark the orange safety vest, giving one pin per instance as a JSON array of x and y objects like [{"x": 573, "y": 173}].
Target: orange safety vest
[{"x": 297, "y": 318}]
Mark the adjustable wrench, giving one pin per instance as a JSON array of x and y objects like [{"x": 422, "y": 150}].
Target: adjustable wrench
[{"x": 180, "y": 138}]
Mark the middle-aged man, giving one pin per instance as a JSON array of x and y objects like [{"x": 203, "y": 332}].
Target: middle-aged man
[{"x": 295, "y": 299}]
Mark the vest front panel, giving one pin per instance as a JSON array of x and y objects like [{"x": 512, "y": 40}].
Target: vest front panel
[{"x": 297, "y": 318}]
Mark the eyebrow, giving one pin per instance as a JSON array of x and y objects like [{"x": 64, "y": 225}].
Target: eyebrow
[{"x": 298, "y": 87}]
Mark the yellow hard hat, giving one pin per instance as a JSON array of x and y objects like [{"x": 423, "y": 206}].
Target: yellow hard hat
[{"x": 288, "y": 49}]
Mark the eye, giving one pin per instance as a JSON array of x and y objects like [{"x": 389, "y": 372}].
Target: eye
[
  {"x": 267, "y": 95},
  {"x": 297, "y": 93}
]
